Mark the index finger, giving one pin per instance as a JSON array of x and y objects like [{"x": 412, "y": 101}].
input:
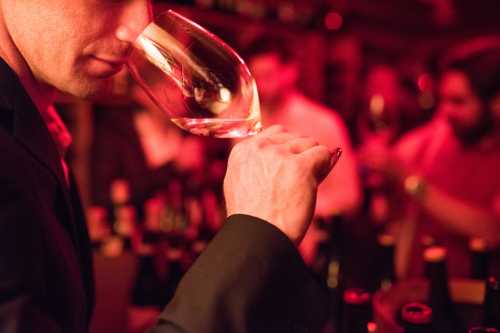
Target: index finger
[{"x": 321, "y": 160}]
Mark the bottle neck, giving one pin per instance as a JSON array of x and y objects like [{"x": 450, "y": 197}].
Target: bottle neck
[{"x": 492, "y": 303}]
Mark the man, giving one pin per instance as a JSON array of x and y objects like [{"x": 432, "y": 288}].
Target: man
[
  {"x": 249, "y": 279},
  {"x": 448, "y": 168},
  {"x": 276, "y": 71}
]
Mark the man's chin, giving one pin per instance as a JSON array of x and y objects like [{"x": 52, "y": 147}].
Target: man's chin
[{"x": 89, "y": 88}]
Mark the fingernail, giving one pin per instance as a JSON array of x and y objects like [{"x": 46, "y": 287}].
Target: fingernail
[{"x": 335, "y": 157}]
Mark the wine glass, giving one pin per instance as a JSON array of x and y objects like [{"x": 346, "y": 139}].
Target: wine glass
[{"x": 199, "y": 81}]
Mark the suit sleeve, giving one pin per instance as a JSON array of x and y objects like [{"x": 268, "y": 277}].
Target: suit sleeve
[
  {"x": 250, "y": 279},
  {"x": 19, "y": 264}
]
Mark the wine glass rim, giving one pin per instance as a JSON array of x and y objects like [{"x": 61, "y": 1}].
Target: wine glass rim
[{"x": 177, "y": 15}]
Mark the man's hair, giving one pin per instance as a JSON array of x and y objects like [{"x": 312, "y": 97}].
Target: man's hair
[
  {"x": 479, "y": 60},
  {"x": 280, "y": 46}
]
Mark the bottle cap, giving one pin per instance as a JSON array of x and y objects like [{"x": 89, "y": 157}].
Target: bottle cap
[
  {"x": 435, "y": 254},
  {"x": 493, "y": 283},
  {"x": 416, "y": 313},
  {"x": 356, "y": 296},
  {"x": 120, "y": 191},
  {"x": 386, "y": 240},
  {"x": 371, "y": 327},
  {"x": 477, "y": 244}
]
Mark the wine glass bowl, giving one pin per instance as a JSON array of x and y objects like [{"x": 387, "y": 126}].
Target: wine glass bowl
[{"x": 197, "y": 79}]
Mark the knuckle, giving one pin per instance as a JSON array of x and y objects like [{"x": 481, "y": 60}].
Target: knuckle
[
  {"x": 279, "y": 128},
  {"x": 280, "y": 150},
  {"x": 262, "y": 143},
  {"x": 310, "y": 142}
]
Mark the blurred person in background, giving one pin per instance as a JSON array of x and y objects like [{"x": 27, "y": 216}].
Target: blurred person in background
[
  {"x": 446, "y": 171},
  {"x": 385, "y": 110},
  {"x": 276, "y": 71}
]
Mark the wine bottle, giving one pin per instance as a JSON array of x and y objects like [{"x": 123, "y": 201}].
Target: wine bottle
[
  {"x": 372, "y": 327},
  {"x": 125, "y": 226},
  {"x": 416, "y": 318},
  {"x": 445, "y": 319},
  {"x": 386, "y": 247},
  {"x": 357, "y": 311},
  {"x": 151, "y": 231},
  {"x": 147, "y": 284},
  {"x": 323, "y": 253},
  {"x": 334, "y": 270},
  {"x": 492, "y": 303},
  {"x": 480, "y": 258},
  {"x": 175, "y": 269},
  {"x": 97, "y": 226},
  {"x": 119, "y": 192}
]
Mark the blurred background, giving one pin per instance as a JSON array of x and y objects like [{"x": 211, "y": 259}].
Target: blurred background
[{"x": 365, "y": 75}]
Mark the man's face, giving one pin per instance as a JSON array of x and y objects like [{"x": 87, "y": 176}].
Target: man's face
[
  {"x": 461, "y": 106},
  {"x": 272, "y": 76},
  {"x": 72, "y": 44}
]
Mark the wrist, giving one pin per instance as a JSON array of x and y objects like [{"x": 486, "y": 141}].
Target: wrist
[{"x": 415, "y": 186}]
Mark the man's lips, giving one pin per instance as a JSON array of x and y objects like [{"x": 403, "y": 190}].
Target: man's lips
[
  {"x": 111, "y": 60},
  {"x": 105, "y": 66}
]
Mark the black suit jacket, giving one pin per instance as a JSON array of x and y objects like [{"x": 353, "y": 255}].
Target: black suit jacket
[
  {"x": 250, "y": 279},
  {"x": 46, "y": 282}
]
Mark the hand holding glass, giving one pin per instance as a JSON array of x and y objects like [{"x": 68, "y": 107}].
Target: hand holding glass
[{"x": 195, "y": 78}]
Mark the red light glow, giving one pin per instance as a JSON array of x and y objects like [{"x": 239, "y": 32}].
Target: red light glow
[
  {"x": 424, "y": 82},
  {"x": 333, "y": 21}
]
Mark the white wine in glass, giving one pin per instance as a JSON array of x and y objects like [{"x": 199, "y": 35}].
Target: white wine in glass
[{"x": 195, "y": 78}]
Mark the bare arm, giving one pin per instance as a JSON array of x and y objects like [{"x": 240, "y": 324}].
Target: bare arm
[
  {"x": 451, "y": 212},
  {"x": 459, "y": 216},
  {"x": 340, "y": 191}
]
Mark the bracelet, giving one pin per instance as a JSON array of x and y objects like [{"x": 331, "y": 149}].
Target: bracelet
[{"x": 415, "y": 186}]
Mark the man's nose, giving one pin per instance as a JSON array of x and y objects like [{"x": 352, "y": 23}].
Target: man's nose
[{"x": 136, "y": 16}]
